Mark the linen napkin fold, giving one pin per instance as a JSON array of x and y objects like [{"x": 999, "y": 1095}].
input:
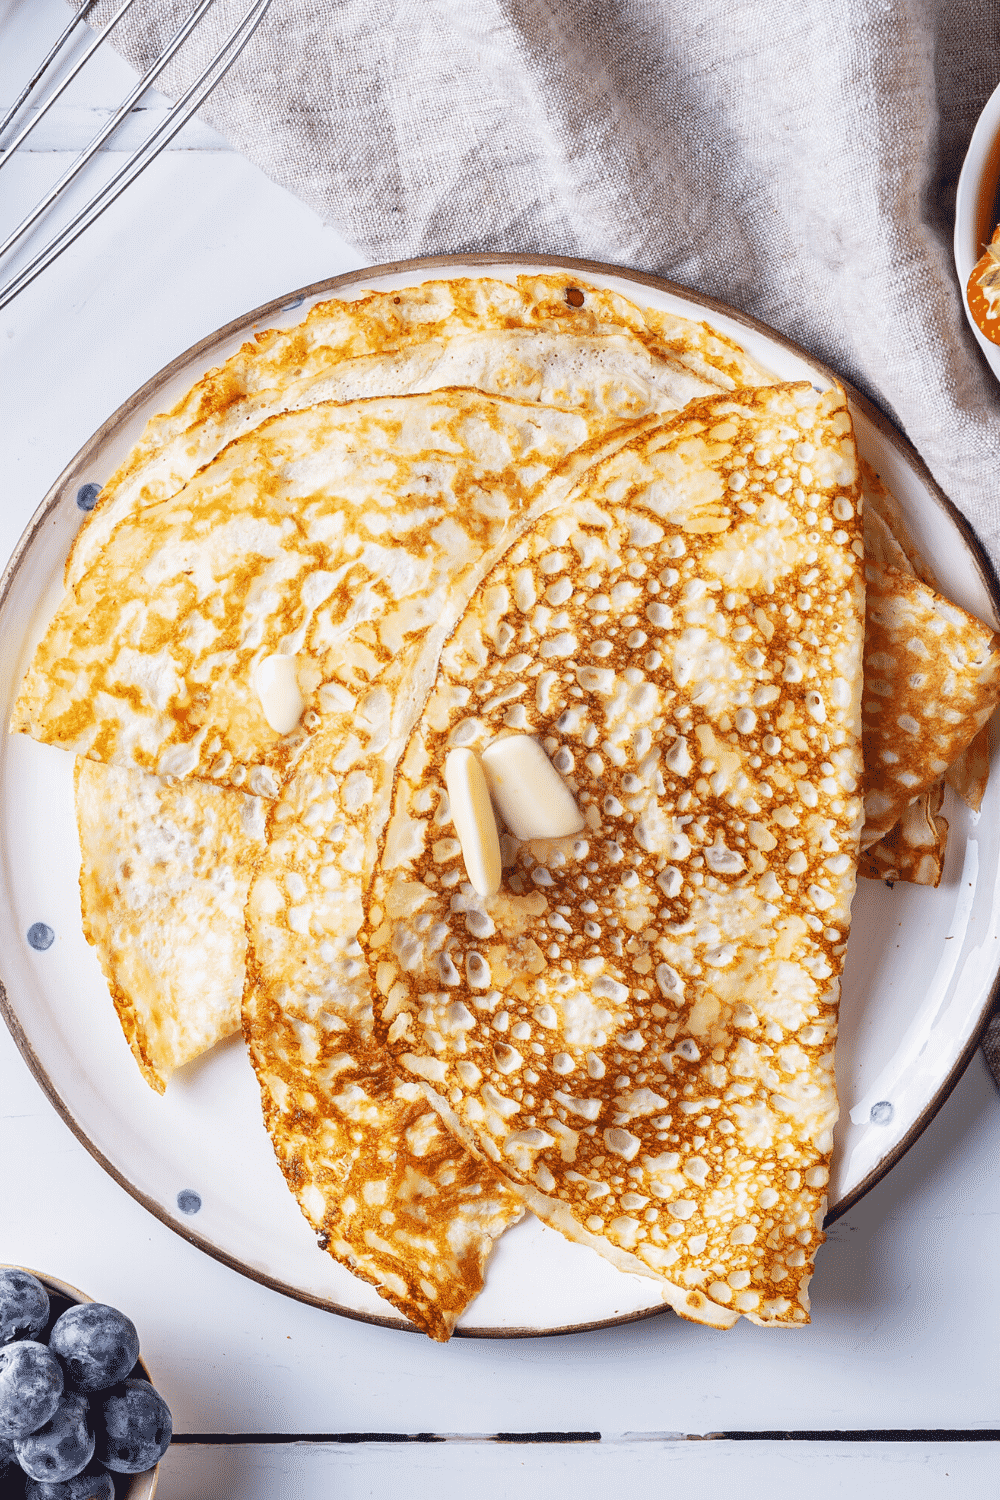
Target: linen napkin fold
[{"x": 795, "y": 160}]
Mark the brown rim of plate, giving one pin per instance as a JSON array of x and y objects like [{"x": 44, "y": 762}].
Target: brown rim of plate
[
  {"x": 135, "y": 1491},
  {"x": 257, "y": 318}
]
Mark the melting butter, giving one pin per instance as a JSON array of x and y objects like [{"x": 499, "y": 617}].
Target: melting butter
[
  {"x": 472, "y": 815},
  {"x": 530, "y": 795},
  {"x": 278, "y": 690}
]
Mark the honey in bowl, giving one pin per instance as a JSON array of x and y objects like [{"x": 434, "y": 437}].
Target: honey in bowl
[{"x": 983, "y": 290}]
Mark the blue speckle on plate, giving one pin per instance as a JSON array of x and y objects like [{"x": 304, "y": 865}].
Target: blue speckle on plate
[
  {"x": 188, "y": 1201},
  {"x": 290, "y": 306},
  {"x": 41, "y": 936},
  {"x": 86, "y": 496},
  {"x": 881, "y": 1113}
]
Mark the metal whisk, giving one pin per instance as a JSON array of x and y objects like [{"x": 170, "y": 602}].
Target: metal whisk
[{"x": 161, "y": 135}]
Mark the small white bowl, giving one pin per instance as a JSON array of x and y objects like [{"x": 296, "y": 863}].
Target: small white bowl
[
  {"x": 975, "y": 206},
  {"x": 143, "y": 1486}
]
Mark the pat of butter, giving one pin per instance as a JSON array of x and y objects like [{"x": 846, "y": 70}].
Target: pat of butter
[
  {"x": 472, "y": 815},
  {"x": 530, "y": 795},
  {"x": 278, "y": 690}
]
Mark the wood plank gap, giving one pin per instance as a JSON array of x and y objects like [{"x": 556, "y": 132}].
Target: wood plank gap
[
  {"x": 236, "y": 1439},
  {"x": 804, "y": 1435},
  {"x": 867, "y": 1435}
]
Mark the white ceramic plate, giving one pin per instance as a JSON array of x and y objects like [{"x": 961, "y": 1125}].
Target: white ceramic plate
[
  {"x": 975, "y": 205},
  {"x": 920, "y": 976}
]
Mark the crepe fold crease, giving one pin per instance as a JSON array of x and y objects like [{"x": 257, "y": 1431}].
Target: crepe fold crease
[{"x": 637, "y": 1031}]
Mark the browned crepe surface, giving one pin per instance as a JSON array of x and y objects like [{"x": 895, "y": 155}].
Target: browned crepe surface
[
  {"x": 914, "y": 849},
  {"x": 389, "y": 1192},
  {"x": 525, "y": 339},
  {"x": 329, "y": 535},
  {"x": 163, "y": 883},
  {"x": 637, "y": 1029},
  {"x": 932, "y": 680}
]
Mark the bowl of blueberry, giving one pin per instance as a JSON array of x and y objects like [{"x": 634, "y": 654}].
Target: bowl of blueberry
[{"x": 79, "y": 1416}]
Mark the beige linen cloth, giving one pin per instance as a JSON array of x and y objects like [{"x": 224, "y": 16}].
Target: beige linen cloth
[{"x": 794, "y": 159}]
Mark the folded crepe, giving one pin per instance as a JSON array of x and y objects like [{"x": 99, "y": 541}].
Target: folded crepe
[
  {"x": 335, "y": 1107},
  {"x": 932, "y": 671},
  {"x": 165, "y": 872},
  {"x": 888, "y": 540},
  {"x": 913, "y": 848},
  {"x": 388, "y": 1191},
  {"x": 534, "y": 338},
  {"x": 602, "y": 357},
  {"x": 329, "y": 537},
  {"x": 431, "y": 1263},
  {"x": 637, "y": 1029}
]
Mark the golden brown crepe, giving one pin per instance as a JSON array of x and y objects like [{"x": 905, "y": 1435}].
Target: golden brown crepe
[
  {"x": 931, "y": 671},
  {"x": 430, "y": 1263},
  {"x": 533, "y": 338},
  {"x": 888, "y": 542},
  {"x": 969, "y": 774},
  {"x": 163, "y": 883},
  {"x": 637, "y": 1030},
  {"x": 914, "y": 849},
  {"x": 389, "y": 1193},
  {"x": 287, "y": 545},
  {"x": 174, "y": 603}
]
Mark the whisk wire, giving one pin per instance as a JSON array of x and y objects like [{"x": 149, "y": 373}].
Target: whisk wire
[
  {"x": 110, "y": 127},
  {"x": 160, "y": 136},
  {"x": 77, "y": 67}
]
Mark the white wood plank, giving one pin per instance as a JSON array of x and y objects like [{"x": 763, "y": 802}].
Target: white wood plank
[
  {"x": 28, "y": 32},
  {"x": 699, "y": 1471}
]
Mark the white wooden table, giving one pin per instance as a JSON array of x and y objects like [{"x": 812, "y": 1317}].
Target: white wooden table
[{"x": 893, "y": 1390}]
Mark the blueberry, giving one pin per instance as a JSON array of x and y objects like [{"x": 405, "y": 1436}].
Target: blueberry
[
  {"x": 97, "y": 1344},
  {"x": 135, "y": 1428},
  {"x": 24, "y": 1306},
  {"x": 63, "y": 1447},
  {"x": 31, "y": 1384},
  {"x": 94, "y": 1483}
]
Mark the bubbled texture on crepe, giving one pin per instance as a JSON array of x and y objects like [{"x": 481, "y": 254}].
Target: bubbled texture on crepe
[
  {"x": 932, "y": 680},
  {"x": 888, "y": 541},
  {"x": 914, "y": 853},
  {"x": 390, "y": 1194},
  {"x": 519, "y": 339},
  {"x": 164, "y": 876},
  {"x": 341, "y": 524},
  {"x": 913, "y": 849},
  {"x": 337, "y": 1114},
  {"x": 638, "y": 1029}
]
